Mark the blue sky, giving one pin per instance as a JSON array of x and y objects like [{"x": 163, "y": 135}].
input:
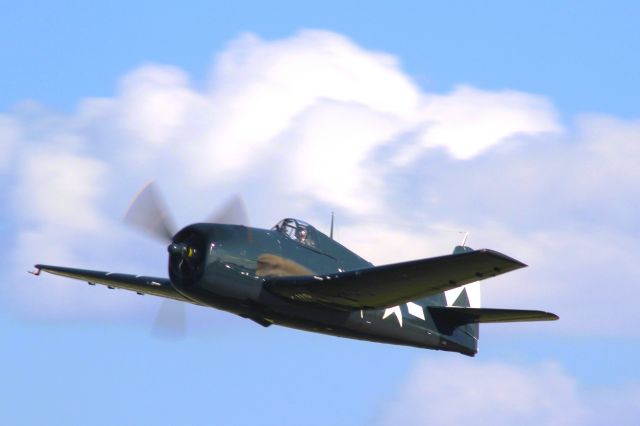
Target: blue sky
[
  {"x": 518, "y": 123},
  {"x": 580, "y": 53}
]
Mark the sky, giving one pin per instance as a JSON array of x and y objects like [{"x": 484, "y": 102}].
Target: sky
[{"x": 413, "y": 121}]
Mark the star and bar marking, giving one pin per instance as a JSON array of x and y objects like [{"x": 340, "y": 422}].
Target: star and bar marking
[{"x": 413, "y": 308}]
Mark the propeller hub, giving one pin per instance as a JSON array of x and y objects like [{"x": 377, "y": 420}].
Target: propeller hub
[
  {"x": 182, "y": 249},
  {"x": 187, "y": 256}
]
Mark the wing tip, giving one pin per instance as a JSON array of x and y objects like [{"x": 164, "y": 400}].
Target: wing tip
[
  {"x": 551, "y": 316},
  {"x": 516, "y": 263},
  {"x": 46, "y": 268}
]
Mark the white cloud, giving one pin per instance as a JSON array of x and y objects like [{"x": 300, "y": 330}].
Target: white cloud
[
  {"x": 328, "y": 155},
  {"x": 61, "y": 189},
  {"x": 460, "y": 391},
  {"x": 396, "y": 241},
  {"x": 259, "y": 89},
  {"x": 57, "y": 204},
  {"x": 469, "y": 121},
  {"x": 156, "y": 104},
  {"x": 312, "y": 65}
]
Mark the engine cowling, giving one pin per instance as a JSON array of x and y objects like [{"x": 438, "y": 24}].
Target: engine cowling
[{"x": 187, "y": 256}]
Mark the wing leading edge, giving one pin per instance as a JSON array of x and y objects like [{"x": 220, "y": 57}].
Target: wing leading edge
[
  {"x": 140, "y": 284},
  {"x": 390, "y": 285}
]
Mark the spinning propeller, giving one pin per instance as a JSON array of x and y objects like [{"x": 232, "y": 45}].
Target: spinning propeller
[{"x": 149, "y": 213}]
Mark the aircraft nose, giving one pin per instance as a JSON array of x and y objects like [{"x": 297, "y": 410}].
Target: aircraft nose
[
  {"x": 187, "y": 255},
  {"x": 182, "y": 249}
]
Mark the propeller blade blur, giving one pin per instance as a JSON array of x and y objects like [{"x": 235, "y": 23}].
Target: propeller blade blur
[
  {"x": 233, "y": 212},
  {"x": 149, "y": 213},
  {"x": 171, "y": 322}
]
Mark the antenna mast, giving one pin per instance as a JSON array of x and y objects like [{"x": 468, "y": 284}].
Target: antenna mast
[{"x": 331, "y": 232}]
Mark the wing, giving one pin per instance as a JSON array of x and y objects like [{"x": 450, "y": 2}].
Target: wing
[
  {"x": 142, "y": 285},
  {"x": 390, "y": 285},
  {"x": 459, "y": 315}
]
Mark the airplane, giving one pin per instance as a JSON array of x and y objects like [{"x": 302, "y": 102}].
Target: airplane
[{"x": 293, "y": 275}]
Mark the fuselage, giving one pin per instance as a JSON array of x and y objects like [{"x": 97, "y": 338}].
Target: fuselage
[{"x": 231, "y": 264}]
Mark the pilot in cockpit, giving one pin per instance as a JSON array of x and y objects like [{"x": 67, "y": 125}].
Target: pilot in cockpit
[{"x": 302, "y": 236}]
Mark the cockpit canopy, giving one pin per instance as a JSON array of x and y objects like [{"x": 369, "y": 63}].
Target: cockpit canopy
[
  {"x": 298, "y": 230},
  {"x": 308, "y": 236}
]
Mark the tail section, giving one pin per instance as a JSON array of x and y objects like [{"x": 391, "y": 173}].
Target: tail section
[
  {"x": 464, "y": 334},
  {"x": 467, "y": 295},
  {"x": 457, "y": 314}
]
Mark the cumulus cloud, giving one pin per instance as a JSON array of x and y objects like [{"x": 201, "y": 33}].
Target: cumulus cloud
[
  {"x": 259, "y": 89},
  {"x": 60, "y": 189},
  {"x": 313, "y": 123},
  {"x": 155, "y": 103},
  {"x": 459, "y": 391},
  {"x": 468, "y": 121}
]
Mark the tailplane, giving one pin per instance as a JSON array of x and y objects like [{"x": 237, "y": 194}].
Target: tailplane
[
  {"x": 457, "y": 313},
  {"x": 460, "y": 316}
]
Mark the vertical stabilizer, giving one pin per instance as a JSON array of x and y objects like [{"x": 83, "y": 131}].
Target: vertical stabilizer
[{"x": 467, "y": 296}]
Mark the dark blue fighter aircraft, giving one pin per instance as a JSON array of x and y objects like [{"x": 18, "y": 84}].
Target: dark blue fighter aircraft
[{"x": 296, "y": 276}]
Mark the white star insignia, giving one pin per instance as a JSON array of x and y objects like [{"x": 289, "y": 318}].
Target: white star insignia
[
  {"x": 413, "y": 308},
  {"x": 396, "y": 311}
]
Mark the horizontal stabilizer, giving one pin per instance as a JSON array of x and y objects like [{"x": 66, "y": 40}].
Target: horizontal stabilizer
[
  {"x": 459, "y": 315},
  {"x": 145, "y": 285},
  {"x": 389, "y": 285}
]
